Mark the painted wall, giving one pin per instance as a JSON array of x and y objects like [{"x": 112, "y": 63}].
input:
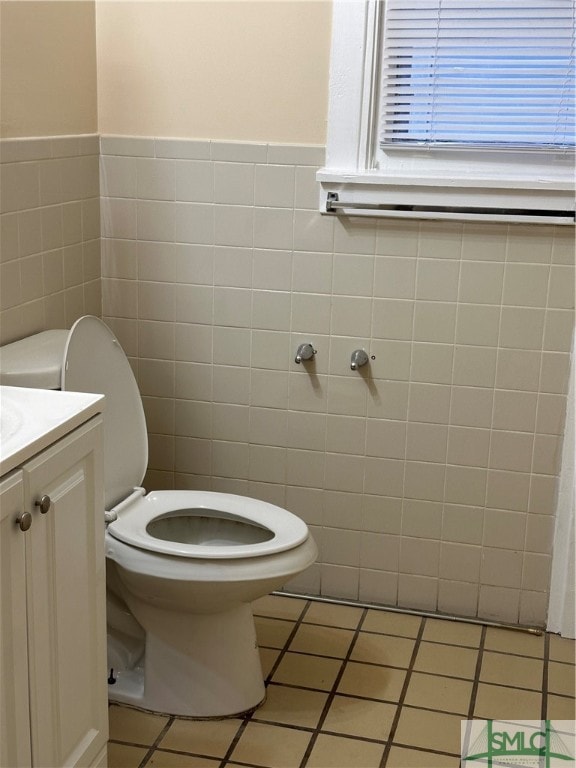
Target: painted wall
[
  {"x": 47, "y": 68},
  {"x": 49, "y": 183},
  {"x": 240, "y": 70}
]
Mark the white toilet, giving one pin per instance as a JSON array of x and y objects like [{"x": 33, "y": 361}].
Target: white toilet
[{"x": 182, "y": 566}]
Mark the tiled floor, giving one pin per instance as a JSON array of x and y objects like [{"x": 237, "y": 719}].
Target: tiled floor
[{"x": 349, "y": 687}]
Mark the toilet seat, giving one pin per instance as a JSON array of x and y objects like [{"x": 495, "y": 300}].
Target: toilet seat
[{"x": 131, "y": 527}]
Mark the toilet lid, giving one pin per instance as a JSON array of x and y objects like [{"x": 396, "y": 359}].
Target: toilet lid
[{"x": 95, "y": 362}]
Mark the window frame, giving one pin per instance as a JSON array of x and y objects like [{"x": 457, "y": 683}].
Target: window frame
[{"x": 515, "y": 186}]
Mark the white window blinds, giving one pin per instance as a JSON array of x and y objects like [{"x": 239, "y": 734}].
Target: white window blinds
[{"x": 478, "y": 73}]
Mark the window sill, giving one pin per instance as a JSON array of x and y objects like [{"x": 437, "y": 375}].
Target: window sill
[{"x": 514, "y": 200}]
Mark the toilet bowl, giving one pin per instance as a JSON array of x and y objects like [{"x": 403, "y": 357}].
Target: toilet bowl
[{"x": 182, "y": 566}]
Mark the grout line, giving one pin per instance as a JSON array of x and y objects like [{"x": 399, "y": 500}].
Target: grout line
[
  {"x": 426, "y": 750},
  {"x": 315, "y": 731},
  {"x": 286, "y": 645},
  {"x": 415, "y": 612},
  {"x": 156, "y": 741},
  {"x": 247, "y": 718},
  {"x": 477, "y": 675},
  {"x": 235, "y": 740},
  {"x": 402, "y": 696},
  {"x": 332, "y": 692}
]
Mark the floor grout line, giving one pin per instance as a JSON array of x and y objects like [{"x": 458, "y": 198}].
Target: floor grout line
[
  {"x": 403, "y": 693},
  {"x": 339, "y": 664},
  {"x": 477, "y": 671},
  {"x": 333, "y": 690},
  {"x": 244, "y": 724},
  {"x": 155, "y": 743}
]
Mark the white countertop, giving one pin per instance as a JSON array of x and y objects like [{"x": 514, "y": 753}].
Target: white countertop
[{"x": 33, "y": 419}]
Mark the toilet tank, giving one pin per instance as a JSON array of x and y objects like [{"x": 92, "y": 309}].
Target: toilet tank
[{"x": 35, "y": 361}]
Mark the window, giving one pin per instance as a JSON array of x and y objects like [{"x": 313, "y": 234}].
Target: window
[{"x": 452, "y": 108}]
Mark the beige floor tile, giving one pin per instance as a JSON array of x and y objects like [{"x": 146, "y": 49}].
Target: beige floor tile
[
  {"x": 171, "y": 760},
  {"x": 428, "y": 730},
  {"x": 519, "y": 671},
  {"x": 307, "y": 671},
  {"x": 358, "y": 717},
  {"x": 514, "y": 641},
  {"x": 446, "y": 660},
  {"x": 346, "y": 616},
  {"x": 383, "y": 649},
  {"x": 400, "y": 757},
  {"x": 561, "y": 708},
  {"x": 278, "y": 607},
  {"x": 561, "y": 678},
  {"x": 291, "y": 706},
  {"x": 121, "y": 756},
  {"x": 441, "y": 693},
  {"x": 391, "y": 623},
  {"x": 272, "y": 633},
  {"x": 562, "y": 649},
  {"x": 495, "y": 702},
  {"x": 371, "y": 681},
  {"x": 325, "y": 641},
  {"x": 340, "y": 752},
  {"x": 204, "y": 737},
  {"x": 268, "y": 658},
  {"x": 452, "y": 632},
  {"x": 271, "y": 745},
  {"x": 134, "y": 726}
]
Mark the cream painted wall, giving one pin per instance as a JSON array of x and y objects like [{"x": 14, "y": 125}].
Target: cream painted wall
[
  {"x": 238, "y": 70},
  {"x": 47, "y": 68}
]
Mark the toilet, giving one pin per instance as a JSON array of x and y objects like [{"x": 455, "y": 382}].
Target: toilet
[{"x": 182, "y": 567}]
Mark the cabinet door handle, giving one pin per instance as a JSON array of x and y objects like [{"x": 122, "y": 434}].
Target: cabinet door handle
[
  {"x": 24, "y": 521},
  {"x": 44, "y": 504}
]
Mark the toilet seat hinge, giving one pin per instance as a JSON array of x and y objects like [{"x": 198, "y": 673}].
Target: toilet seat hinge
[{"x": 112, "y": 514}]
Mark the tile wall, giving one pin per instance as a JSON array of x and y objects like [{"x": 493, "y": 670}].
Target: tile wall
[
  {"x": 50, "y": 233},
  {"x": 429, "y": 476}
]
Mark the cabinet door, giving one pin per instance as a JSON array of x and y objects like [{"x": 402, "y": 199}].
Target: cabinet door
[
  {"x": 14, "y": 715},
  {"x": 66, "y": 602}
]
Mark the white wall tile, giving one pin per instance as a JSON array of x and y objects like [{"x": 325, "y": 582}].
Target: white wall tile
[
  {"x": 194, "y": 223},
  {"x": 307, "y": 189},
  {"x": 451, "y": 432},
  {"x": 234, "y": 225},
  {"x": 232, "y": 307},
  {"x": 194, "y": 181},
  {"x": 351, "y": 316},
  {"x": 155, "y": 179},
  {"x": 271, "y": 310},
  {"x": 273, "y": 228},
  {"x": 353, "y": 275},
  {"x": 234, "y": 183},
  {"x": 155, "y": 220},
  {"x": 194, "y": 303},
  {"x": 311, "y": 318},
  {"x": 274, "y": 186},
  {"x": 231, "y": 384},
  {"x": 272, "y": 269},
  {"x": 182, "y": 149},
  {"x": 313, "y": 232}
]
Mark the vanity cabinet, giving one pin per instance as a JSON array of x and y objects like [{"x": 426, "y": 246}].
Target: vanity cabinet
[{"x": 53, "y": 688}]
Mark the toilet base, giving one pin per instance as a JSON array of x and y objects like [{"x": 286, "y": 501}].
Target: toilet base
[{"x": 207, "y": 666}]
